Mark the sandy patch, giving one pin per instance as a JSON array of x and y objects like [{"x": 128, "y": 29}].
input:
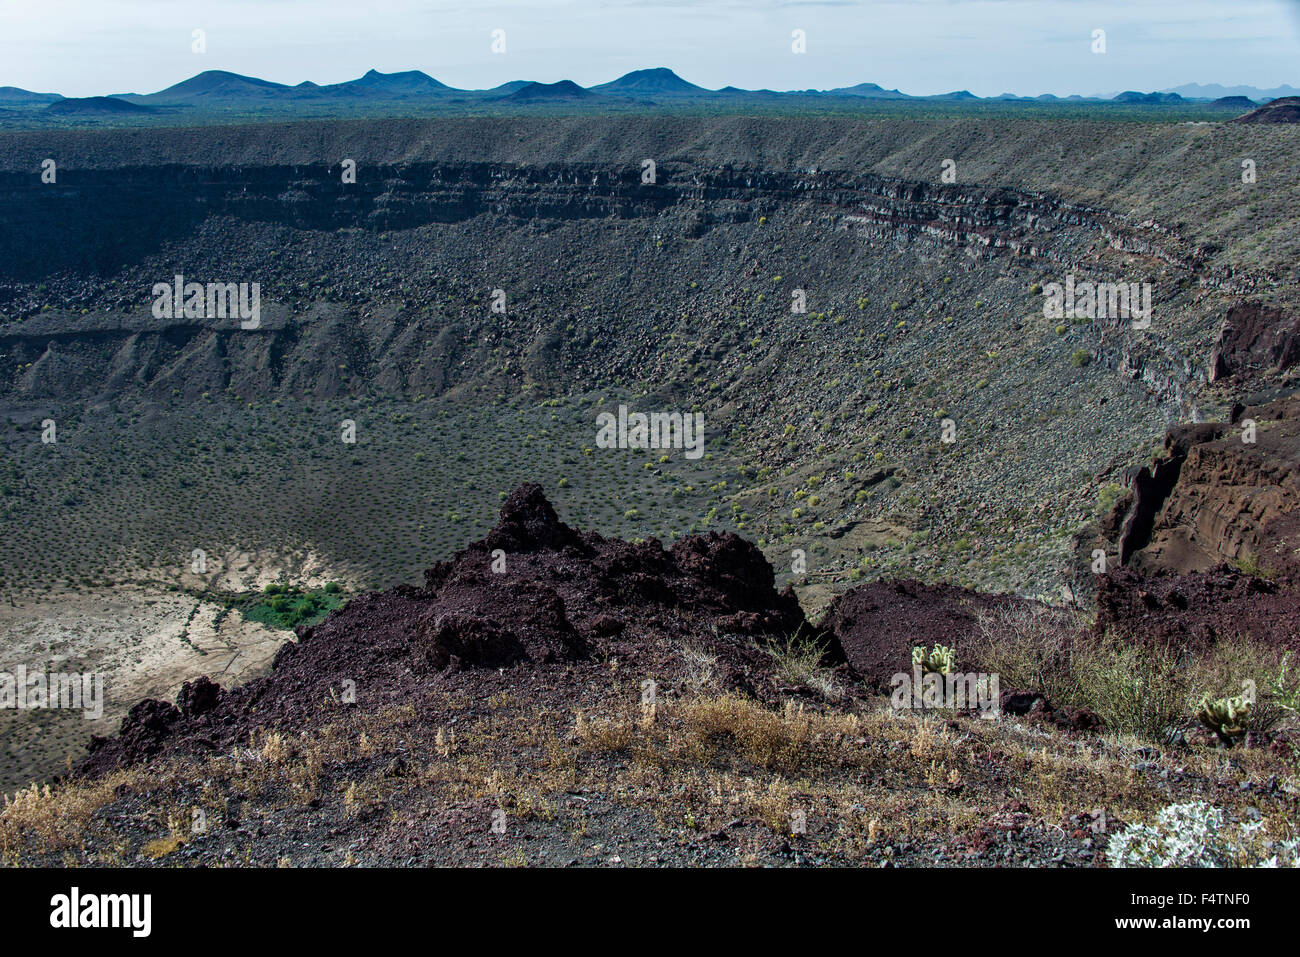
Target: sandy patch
[{"x": 144, "y": 638}]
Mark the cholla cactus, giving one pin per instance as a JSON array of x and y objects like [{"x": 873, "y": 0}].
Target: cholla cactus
[
  {"x": 1195, "y": 835},
  {"x": 942, "y": 660},
  {"x": 1226, "y": 717}
]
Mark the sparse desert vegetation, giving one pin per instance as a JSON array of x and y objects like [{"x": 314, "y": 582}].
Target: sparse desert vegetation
[
  {"x": 751, "y": 783},
  {"x": 321, "y": 539}
]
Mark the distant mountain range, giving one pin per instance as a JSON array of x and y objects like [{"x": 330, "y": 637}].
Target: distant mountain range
[
  {"x": 1213, "y": 91},
  {"x": 224, "y": 90}
]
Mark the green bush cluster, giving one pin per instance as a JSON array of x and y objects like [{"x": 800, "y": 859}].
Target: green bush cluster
[{"x": 287, "y": 606}]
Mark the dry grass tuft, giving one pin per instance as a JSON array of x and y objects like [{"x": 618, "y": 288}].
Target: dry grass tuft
[
  {"x": 53, "y": 820},
  {"x": 799, "y": 663}
]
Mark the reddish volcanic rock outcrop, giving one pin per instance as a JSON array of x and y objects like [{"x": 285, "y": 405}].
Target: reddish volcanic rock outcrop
[
  {"x": 1136, "y": 514},
  {"x": 1217, "y": 497},
  {"x": 534, "y": 593},
  {"x": 1211, "y": 536},
  {"x": 1194, "y": 610},
  {"x": 722, "y": 577},
  {"x": 1255, "y": 340}
]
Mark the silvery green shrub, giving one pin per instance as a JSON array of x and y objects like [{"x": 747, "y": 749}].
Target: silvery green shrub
[{"x": 1195, "y": 835}]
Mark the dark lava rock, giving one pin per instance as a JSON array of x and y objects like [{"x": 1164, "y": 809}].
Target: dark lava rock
[
  {"x": 1018, "y": 702},
  {"x": 534, "y": 592},
  {"x": 500, "y": 623},
  {"x": 144, "y": 730},
  {"x": 198, "y": 697},
  {"x": 1194, "y": 610},
  {"x": 529, "y": 523},
  {"x": 1035, "y": 706},
  {"x": 1255, "y": 340},
  {"x": 878, "y": 624}
]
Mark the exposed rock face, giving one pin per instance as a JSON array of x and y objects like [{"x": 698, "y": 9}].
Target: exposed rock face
[
  {"x": 878, "y": 624},
  {"x": 1215, "y": 498},
  {"x": 128, "y": 229},
  {"x": 533, "y": 593},
  {"x": 1255, "y": 340},
  {"x": 123, "y": 213},
  {"x": 1153, "y": 485}
]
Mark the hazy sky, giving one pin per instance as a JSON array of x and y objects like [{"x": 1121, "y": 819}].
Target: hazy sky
[{"x": 88, "y": 47}]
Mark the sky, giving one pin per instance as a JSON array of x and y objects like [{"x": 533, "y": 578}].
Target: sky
[{"x": 1025, "y": 47}]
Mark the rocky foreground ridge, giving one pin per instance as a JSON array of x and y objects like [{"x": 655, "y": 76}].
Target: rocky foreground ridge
[
  {"x": 1209, "y": 535},
  {"x": 550, "y": 696},
  {"x": 560, "y": 597}
]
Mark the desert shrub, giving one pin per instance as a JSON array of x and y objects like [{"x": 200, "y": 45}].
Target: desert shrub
[
  {"x": 1240, "y": 666},
  {"x": 799, "y": 662},
  {"x": 51, "y": 820},
  {"x": 701, "y": 667},
  {"x": 1107, "y": 496},
  {"x": 608, "y": 734},
  {"x": 1134, "y": 686},
  {"x": 1248, "y": 563},
  {"x": 288, "y": 606},
  {"x": 1283, "y": 691},
  {"x": 767, "y": 739},
  {"x": 1195, "y": 835},
  {"x": 1029, "y": 649}
]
